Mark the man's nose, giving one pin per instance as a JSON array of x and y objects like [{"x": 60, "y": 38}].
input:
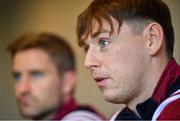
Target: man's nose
[
  {"x": 91, "y": 60},
  {"x": 23, "y": 86}
]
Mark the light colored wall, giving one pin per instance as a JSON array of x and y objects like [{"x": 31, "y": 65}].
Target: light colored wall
[
  {"x": 175, "y": 8},
  {"x": 58, "y": 16}
]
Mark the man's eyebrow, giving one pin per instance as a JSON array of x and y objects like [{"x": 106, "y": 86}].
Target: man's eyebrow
[
  {"x": 35, "y": 71},
  {"x": 99, "y": 32},
  {"x": 14, "y": 72}
]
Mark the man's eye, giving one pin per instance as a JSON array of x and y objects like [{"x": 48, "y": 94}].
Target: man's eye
[
  {"x": 37, "y": 74},
  {"x": 103, "y": 42},
  {"x": 17, "y": 76}
]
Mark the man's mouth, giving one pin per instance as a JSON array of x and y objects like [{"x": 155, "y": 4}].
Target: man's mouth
[
  {"x": 101, "y": 81},
  {"x": 25, "y": 101}
]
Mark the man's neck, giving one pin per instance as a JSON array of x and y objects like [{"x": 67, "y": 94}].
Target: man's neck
[
  {"x": 151, "y": 79},
  {"x": 46, "y": 115}
]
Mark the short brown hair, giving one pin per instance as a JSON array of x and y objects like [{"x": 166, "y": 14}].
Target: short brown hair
[
  {"x": 55, "y": 46},
  {"x": 126, "y": 10}
]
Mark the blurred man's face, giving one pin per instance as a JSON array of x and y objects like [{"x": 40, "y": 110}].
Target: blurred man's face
[
  {"x": 37, "y": 83},
  {"x": 117, "y": 61}
]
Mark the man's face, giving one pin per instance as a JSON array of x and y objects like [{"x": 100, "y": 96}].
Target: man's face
[
  {"x": 116, "y": 61},
  {"x": 38, "y": 86}
]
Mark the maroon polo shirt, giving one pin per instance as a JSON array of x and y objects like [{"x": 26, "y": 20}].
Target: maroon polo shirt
[{"x": 167, "y": 79}]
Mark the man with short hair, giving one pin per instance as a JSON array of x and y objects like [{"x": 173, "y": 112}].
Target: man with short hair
[
  {"x": 43, "y": 67},
  {"x": 129, "y": 51}
]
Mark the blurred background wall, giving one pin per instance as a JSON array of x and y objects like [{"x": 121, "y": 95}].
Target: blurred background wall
[{"x": 57, "y": 16}]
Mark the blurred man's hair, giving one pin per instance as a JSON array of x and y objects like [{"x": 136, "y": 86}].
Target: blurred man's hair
[{"x": 55, "y": 46}]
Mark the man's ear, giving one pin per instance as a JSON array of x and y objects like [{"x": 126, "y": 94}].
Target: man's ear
[
  {"x": 155, "y": 37},
  {"x": 69, "y": 82}
]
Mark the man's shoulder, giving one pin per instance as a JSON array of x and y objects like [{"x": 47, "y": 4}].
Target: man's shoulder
[
  {"x": 171, "y": 111},
  {"x": 169, "y": 108}
]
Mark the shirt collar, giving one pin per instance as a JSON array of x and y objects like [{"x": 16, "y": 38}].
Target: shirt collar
[
  {"x": 147, "y": 108},
  {"x": 168, "y": 77},
  {"x": 66, "y": 108}
]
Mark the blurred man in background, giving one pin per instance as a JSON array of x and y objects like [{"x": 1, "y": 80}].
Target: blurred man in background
[
  {"x": 129, "y": 50},
  {"x": 43, "y": 66}
]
